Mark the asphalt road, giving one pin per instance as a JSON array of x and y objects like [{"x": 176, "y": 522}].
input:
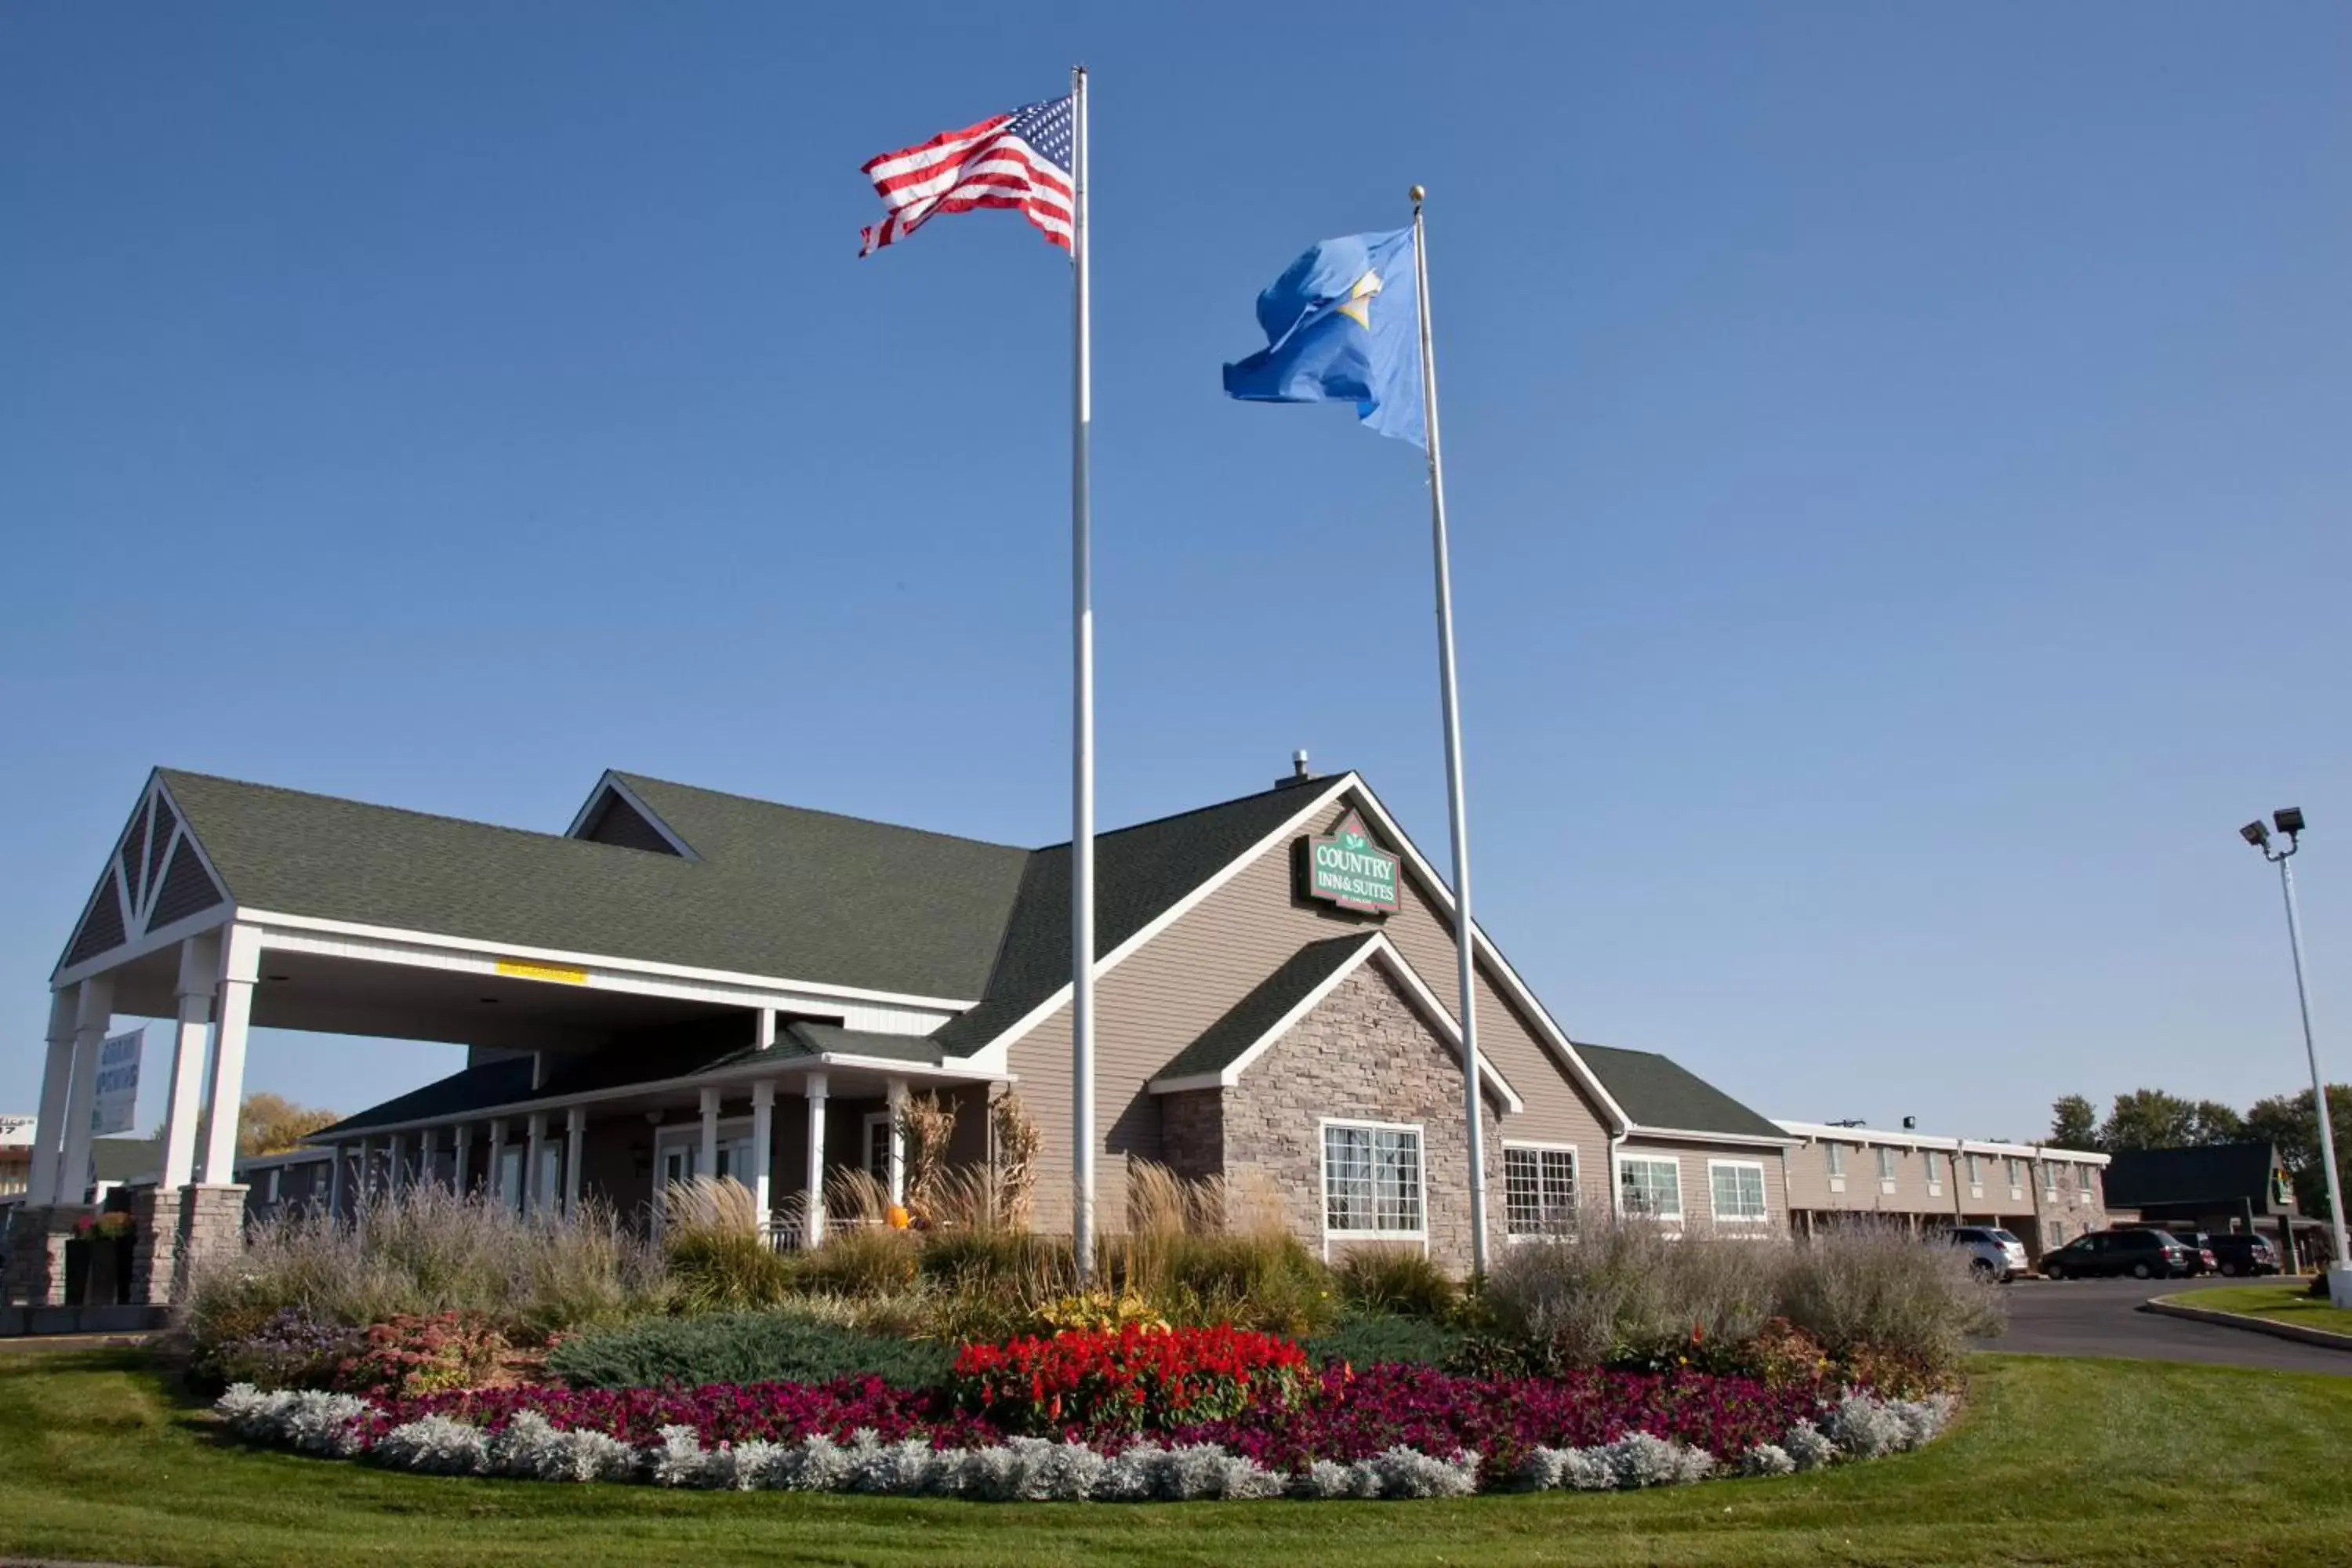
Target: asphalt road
[{"x": 2097, "y": 1318}]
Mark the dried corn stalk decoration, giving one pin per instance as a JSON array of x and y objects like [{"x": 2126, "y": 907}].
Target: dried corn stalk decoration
[{"x": 1015, "y": 1144}]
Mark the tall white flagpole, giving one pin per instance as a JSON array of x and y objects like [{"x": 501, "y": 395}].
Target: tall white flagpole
[
  {"x": 1457, "y": 812},
  {"x": 1082, "y": 772}
]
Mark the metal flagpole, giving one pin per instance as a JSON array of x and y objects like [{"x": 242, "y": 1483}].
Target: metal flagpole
[
  {"x": 1082, "y": 772},
  {"x": 1457, "y": 812},
  {"x": 2318, "y": 1083}
]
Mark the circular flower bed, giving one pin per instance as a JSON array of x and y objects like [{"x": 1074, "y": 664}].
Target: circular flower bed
[{"x": 1139, "y": 1414}]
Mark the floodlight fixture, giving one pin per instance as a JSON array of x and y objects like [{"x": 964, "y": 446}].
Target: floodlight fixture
[
  {"x": 2288, "y": 819},
  {"x": 2255, "y": 834}
]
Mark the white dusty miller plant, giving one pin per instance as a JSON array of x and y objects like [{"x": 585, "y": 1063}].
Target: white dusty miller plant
[{"x": 1034, "y": 1470}]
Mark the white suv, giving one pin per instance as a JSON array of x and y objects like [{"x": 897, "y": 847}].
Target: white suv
[{"x": 1993, "y": 1253}]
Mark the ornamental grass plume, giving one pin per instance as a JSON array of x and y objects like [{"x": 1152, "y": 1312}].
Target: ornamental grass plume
[
  {"x": 423, "y": 1250},
  {"x": 719, "y": 1260}
]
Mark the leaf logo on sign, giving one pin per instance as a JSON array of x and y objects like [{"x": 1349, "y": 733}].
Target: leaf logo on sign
[{"x": 1349, "y": 870}]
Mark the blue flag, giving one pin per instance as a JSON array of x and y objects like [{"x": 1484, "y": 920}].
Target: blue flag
[{"x": 1342, "y": 326}]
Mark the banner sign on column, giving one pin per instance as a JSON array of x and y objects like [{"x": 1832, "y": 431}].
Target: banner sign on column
[{"x": 118, "y": 1082}]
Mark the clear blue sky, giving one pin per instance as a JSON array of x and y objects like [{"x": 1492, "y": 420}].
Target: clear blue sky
[{"x": 1898, "y": 459}]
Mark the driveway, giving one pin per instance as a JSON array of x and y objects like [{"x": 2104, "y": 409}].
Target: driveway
[{"x": 2097, "y": 1318}]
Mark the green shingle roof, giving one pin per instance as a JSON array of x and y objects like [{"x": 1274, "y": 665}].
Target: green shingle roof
[
  {"x": 1245, "y": 1023},
  {"x": 1656, "y": 1092},
  {"x": 502, "y": 1083},
  {"x": 775, "y": 890}
]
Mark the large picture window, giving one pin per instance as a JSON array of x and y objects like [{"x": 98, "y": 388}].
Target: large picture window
[
  {"x": 1539, "y": 1190},
  {"x": 1371, "y": 1179},
  {"x": 1650, "y": 1186},
  {"x": 1736, "y": 1187}
]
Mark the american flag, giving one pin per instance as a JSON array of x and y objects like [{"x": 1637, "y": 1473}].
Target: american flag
[{"x": 1018, "y": 160}]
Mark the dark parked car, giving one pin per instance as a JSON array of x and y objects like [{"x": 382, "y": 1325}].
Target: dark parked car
[
  {"x": 2200, "y": 1248},
  {"x": 2142, "y": 1254},
  {"x": 2244, "y": 1255}
]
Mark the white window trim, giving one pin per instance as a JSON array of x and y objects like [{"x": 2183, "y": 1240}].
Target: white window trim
[
  {"x": 1575, "y": 1180},
  {"x": 1624, "y": 1158},
  {"x": 866, "y": 1145},
  {"x": 733, "y": 1129},
  {"x": 1323, "y": 1166},
  {"x": 1755, "y": 1165}
]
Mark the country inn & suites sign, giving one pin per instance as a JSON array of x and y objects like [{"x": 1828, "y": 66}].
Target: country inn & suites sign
[{"x": 1349, "y": 870}]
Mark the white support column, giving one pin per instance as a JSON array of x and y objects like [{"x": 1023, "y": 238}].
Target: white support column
[
  {"x": 814, "y": 1177},
  {"x": 56, "y": 1087},
  {"x": 764, "y": 1147},
  {"x": 191, "y": 1043},
  {"x": 575, "y": 1148},
  {"x": 461, "y": 1169},
  {"x": 895, "y": 1092},
  {"x": 534, "y": 1155},
  {"x": 336, "y": 1199},
  {"x": 241, "y": 967},
  {"x": 707, "y": 1165},
  {"x": 93, "y": 1008},
  {"x": 494, "y": 1176}
]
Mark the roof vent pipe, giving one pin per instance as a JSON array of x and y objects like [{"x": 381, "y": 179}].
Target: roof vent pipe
[{"x": 1298, "y": 774}]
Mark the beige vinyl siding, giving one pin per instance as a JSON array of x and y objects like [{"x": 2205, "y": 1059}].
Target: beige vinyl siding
[
  {"x": 1698, "y": 1191},
  {"x": 1156, "y": 1002}
]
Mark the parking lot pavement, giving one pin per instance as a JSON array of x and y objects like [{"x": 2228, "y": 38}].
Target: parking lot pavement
[{"x": 2099, "y": 1318}]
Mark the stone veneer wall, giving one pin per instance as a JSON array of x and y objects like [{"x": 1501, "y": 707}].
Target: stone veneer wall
[
  {"x": 1192, "y": 1133},
  {"x": 36, "y": 1270},
  {"x": 212, "y": 1226},
  {"x": 155, "y": 1248},
  {"x": 1364, "y": 1054}
]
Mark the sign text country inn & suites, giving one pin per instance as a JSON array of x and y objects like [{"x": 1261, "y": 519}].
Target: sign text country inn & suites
[{"x": 1349, "y": 870}]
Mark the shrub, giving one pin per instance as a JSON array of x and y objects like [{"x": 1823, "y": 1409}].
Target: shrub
[
  {"x": 861, "y": 1260},
  {"x": 1099, "y": 1311},
  {"x": 412, "y": 1355},
  {"x": 742, "y": 1348},
  {"x": 420, "y": 1251},
  {"x": 294, "y": 1349},
  {"x": 1623, "y": 1292},
  {"x": 1376, "y": 1339},
  {"x": 1134, "y": 1379},
  {"x": 1874, "y": 1286},
  {"x": 1782, "y": 1356},
  {"x": 1396, "y": 1279},
  {"x": 719, "y": 1260}
]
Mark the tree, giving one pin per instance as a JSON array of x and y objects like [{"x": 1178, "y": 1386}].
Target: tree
[
  {"x": 2210, "y": 1121},
  {"x": 2288, "y": 1121},
  {"x": 2149, "y": 1119},
  {"x": 272, "y": 1124},
  {"x": 2073, "y": 1123}
]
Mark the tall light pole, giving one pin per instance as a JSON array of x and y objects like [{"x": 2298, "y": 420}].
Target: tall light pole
[{"x": 2289, "y": 822}]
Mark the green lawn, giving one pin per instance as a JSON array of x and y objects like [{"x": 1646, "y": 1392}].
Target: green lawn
[
  {"x": 2287, "y": 1304},
  {"x": 2075, "y": 1461}
]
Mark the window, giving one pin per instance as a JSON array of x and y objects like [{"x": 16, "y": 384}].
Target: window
[
  {"x": 1650, "y": 1186},
  {"x": 1934, "y": 1163},
  {"x": 2050, "y": 1168},
  {"x": 1975, "y": 1170},
  {"x": 1736, "y": 1187},
  {"x": 1371, "y": 1179},
  {"x": 2090, "y": 1180},
  {"x": 877, "y": 1146},
  {"x": 1835, "y": 1154},
  {"x": 1539, "y": 1190},
  {"x": 2016, "y": 1177},
  {"x": 1885, "y": 1164}
]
